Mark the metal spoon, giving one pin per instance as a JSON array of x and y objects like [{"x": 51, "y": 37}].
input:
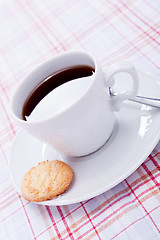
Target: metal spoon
[{"x": 153, "y": 102}]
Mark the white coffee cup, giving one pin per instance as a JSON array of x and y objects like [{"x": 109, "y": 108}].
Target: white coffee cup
[{"x": 86, "y": 123}]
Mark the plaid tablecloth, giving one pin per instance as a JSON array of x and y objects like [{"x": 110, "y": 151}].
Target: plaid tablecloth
[{"x": 33, "y": 31}]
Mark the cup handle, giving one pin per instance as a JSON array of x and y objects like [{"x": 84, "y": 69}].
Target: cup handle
[{"x": 126, "y": 94}]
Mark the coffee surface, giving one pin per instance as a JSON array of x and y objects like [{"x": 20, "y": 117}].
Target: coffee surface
[{"x": 52, "y": 82}]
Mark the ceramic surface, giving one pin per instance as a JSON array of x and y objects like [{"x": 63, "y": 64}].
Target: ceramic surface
[{"x": 136, "y": 133}]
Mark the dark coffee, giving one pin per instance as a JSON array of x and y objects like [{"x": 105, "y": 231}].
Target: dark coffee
[{"x": 50, "y": 83}]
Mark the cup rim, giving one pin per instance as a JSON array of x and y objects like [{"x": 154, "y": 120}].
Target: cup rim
[{"x": 38, "y": 68}]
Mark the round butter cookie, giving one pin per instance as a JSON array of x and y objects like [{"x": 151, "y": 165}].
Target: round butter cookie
[{"x": 46, "y": 181}]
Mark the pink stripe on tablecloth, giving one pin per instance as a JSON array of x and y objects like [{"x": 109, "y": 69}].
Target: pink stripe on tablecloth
[
  {"x": 112, "y": 214},
  {"x": 6, "y": 192},
  {"x": 151, "y": 6},
  {"x": 124, "y": 37},
  {"x": 90, "y": 221},
  {"x": 4, "y": 201},
  {"x": 113, "y": 203},
  {"x": 7, "y": 116},
  {"x": 138, "y": 17},
  {"x": 65, "y": 223},
  {"x": 39, "y": 27},
  {"x": 136, "y": 221},
  {"x": 90, "y": 217},
  {"x": 150, "y": 173},
  {"x": 143, "y": 206},
  {"x": 53, "y": 221},
  {"x": 5, "y": 218},
  {"x": 29, "y": 222},
  {"x": 136, "y": 25},
  {"x": 155, "y": 163}
]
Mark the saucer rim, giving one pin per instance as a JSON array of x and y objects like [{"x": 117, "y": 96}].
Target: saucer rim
[{"x": 91, "y": 195}]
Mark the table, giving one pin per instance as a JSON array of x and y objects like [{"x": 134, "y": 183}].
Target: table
[{"x": 34, "y": 31}]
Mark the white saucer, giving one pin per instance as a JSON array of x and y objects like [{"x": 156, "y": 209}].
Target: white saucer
[{"x": 136, "y": 133}]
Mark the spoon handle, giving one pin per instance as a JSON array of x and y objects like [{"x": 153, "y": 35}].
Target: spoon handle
[{"x": 153, "y": 102}]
